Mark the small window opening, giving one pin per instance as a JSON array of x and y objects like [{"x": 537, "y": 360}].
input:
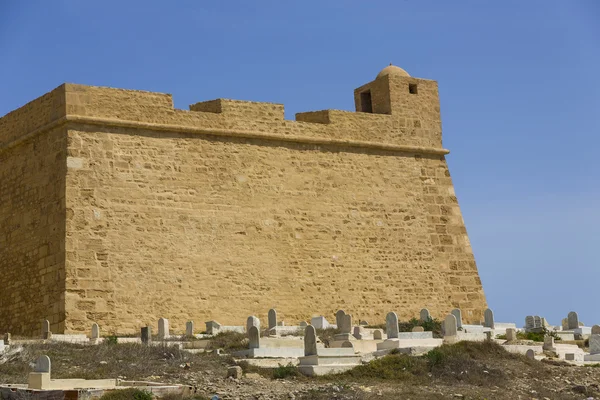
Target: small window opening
[
  {"x": 412, "y": 88},
  {"x": 365, "y": 102}
]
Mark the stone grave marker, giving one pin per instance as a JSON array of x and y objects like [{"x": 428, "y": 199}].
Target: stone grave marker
[
  {"x": 596, "y": 330},
  {"x": 339, "y": 315},
  {"x": 418, "y": 329},
  {"x": 530, "y": 354},
  {"x": 450, "y": 325},
  {"x": 163, "y": 329},
  {"x": 272, "y": 318},
  {"x": 146, "y": 334},
  {"x": 511, "y": 334},
  {"x": 548, "y": 343},
  {"x": 189, "y": 328},
  {"x": 537, "y": 321},
  {"x": 346, "y": 324},
  {"x": 7, "y": 339},
  {"x": 95, "y": 331},
  {"x": 565, "y": 324},
  {"x": 529, "y": 322},
  {"x": 252, "y": 321},
  {"x": 310, "y": 341},
  {"x": 458, "y": 315},
  {"x": 573, "y": 320},
  {"x": 362, "y": 322},
  {"x": 42, "y": 364},
  {"x": 254, "y": 336},
  {"x": 46, "y": 333},
  {"x": 391, "y": 325},
  {"x": 424, "y": 315},
  {"x": 488, "y": 316},
  {"x": 377, "y": 334},
  {"x": 347, "y": 344}
]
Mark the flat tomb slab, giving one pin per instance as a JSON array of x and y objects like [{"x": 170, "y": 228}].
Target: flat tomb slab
[{"x": 403, "y": 343}]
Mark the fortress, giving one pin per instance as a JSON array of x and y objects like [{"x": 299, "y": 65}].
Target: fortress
[{"x": 118, "y": 209}]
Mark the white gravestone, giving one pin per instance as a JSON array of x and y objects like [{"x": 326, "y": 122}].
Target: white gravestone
[
  {"x": 42, "y": 364},
  {"x": 488, "y": 316},
  {"x": 450, "y": 325},
  {"x": 254, "y": 337},
  {"x": 189, "y": 328},
  {"x": 163, "y": 329},
  {"x": 391, "y": 325},
  {"x": 95, "y": 331},
  {"x": 573, "y": 320},
  {"x": 458, "y": 315},
  {"x": 252, "y": 321},
  {"x": 511, "y": 334},
  {"x": 272, "y": 318},
  {"x": 46, "y": 334},
  {"x": 310, "y": 341}
]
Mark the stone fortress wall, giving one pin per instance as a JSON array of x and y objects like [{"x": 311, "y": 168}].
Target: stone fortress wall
[{"x": 229, "y": 209}]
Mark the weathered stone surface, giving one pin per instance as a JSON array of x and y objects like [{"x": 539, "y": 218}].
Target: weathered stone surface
[
  {"x": 450, "y": 325},
  {"x": 95, "y": 331},
  {"x": 573, "y": 320},
  {"x": 488, "y": 316},
  {"x": 272, "y": 317},
  {"x": 310, "y": 341},
  {"x": 377, "y": 334},
  {"x": 529, "y": 322},
  {"x": 530, "y": 354},
  {"x": 346, "y": 324},
  {"x": 132, "y": 194},
  {"x": 458, "y": 315},
  {"x": 418, "y": 329},
  {"x": 548, "y": 343},
  {"x": 235, "y": 372},
  {"x": 424, "y": 314},
  {"x": 163, "y": 329},
  {"x": 189, "y": 328},
  {"x": 596, "y": 330},
  {"x": 391, "y": 325},
  {"x": 252, "y": 321},
  {"x": 254, "y": 337},
  {"x": 594, "y": 343},
  {"x": 42, "y": 364},
  {"x": 511, "y": 334},
  {"x": 146, "y": 334},
  {"x": 339, "y": 318}
]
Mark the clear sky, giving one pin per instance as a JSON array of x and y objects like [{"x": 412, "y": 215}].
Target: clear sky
[{"x": 519, "y": 89}]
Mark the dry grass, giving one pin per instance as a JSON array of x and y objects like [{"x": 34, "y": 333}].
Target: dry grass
[{"x": 128, "y": 360}]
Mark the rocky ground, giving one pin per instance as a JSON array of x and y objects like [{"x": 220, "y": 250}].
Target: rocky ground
[{"x": 463, "y": 371}]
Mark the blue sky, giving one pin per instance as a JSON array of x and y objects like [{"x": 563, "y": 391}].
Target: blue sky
[{"x": 519, "y": 89}]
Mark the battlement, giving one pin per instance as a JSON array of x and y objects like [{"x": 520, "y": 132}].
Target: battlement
[{"x": 392, "y": 110}]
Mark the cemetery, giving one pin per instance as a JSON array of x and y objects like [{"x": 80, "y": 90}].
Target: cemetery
[{"x": 318, "y": 350}]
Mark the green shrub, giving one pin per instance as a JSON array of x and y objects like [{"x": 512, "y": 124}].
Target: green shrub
[
  {"x": 285, "y": 371},
  {"x": 111, "y": 340},
  {"x": 228, "y": 341},
  {"x": 127, "y": 394}
]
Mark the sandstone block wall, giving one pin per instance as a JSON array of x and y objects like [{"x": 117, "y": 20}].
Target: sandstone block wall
[{"x": 227, "y": 210}]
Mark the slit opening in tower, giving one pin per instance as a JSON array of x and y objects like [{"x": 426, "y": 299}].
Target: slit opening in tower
[
  {"x": 365, "y": 102},
  {"x": 412, "y": 88}
]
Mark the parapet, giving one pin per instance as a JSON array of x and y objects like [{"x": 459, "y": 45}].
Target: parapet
[{"x": 394, "y": 111}]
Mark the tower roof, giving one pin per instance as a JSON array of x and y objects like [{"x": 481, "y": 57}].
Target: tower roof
[{"x": 392, "y": 70}]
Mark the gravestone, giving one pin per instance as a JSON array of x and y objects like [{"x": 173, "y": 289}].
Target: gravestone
[
  {"x": 252, "y": 321},
  {"x": 450, "y": 325},
  {"x": 594, "y": 341},
  {"x": 272, "y": 318},
  {"x": 596, "y": 330},
  {"x": 319, "y": 322},
  {"x": 458, "y": 315},
  {"x": 163, "y": 329},
  {"x": 488, "y": 335},
  {"x": 511, "y": 334},
  {"x": 418, "y": 329},
  {"x": 565, "y": 324},
  {"x": 377, "y": 334},
  {"x": 346, "y": 324},
  {"x": 391, "y": 325},
  {"x": 310, "y": 341},
  {"x": 189, "y": 328},
  {"x": 254, "y": 337},
  {"x": 303, "y": 324},
  {"x": 545, "y": 323},
  {"x": 363, "y": 322},
  {"x": 347, "y": 344},
  {"x": 529, "y": 322},
  {"x": 537, "y": 321},
  {"x": 7, "y": 339},
  {"x": 548, "y": 343},
  {"x": 488, "y": 316},
  {"x": 42, "y": 364},
  {"x": 339, "y": 315},
  {"x": 95, "y": 331},
  {"x": 573, "y": 320},
  {"x": 46, "y": 334},
  {"x": 424, "y": 315},
  {"x": 146, "y": 334},
  {"x": 530, "y": 354}
]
